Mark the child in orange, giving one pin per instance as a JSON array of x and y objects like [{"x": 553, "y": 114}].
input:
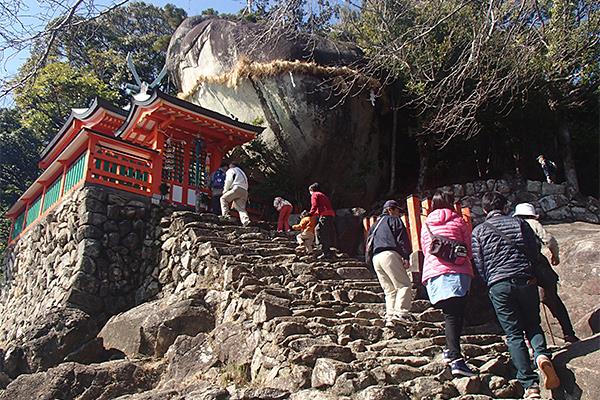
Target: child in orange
[{"x": 306, "y": 237}]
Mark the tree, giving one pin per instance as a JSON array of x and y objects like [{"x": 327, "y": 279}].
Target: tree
[
  {"x": 88, "y": 59},
  {"x": 101, "y": 45},
  {"x": 569, "y": 66},
  {"x": 46, "y": 102},
  {"x": 464, "y": 63},
  {"x": 86, "y": 34},
  {"x": 19, "y": 149},
  {"x": 27, "y": 23}
]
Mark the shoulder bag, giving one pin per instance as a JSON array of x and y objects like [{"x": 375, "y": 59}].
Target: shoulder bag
[{"x": 447, "y": 249}]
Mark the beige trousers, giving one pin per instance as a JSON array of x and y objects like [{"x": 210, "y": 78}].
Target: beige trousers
[
  {"x": 394, "y": 280},
  {"x": 306, "y": 239},
  {"x": 238, "y": 196}
]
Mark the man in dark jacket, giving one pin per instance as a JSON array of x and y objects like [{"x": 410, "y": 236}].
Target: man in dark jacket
[
  {"x": 502, "y": 249},
  {"x": 388, "y": 247},
  {"x": 322, "y": 209}
]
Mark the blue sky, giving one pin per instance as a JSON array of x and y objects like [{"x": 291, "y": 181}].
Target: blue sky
[
  {"x": 12, "y": 61},
  {"x": 195, "y": 7}
]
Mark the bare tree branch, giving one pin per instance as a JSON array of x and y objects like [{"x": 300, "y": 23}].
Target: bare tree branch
[{"x": 26, "y": 31}]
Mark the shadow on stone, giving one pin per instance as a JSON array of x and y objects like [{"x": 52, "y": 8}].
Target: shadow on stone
[{"x": 577, "y": 367}]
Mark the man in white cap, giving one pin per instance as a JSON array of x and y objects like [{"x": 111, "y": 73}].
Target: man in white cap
[{"x": 549, "y": 291}]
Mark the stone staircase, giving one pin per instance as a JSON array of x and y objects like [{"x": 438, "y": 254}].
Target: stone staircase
[{"x": 306, "y": 328}]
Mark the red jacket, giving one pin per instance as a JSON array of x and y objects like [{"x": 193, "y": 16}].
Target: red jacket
[{"x": 321, "y": 205}]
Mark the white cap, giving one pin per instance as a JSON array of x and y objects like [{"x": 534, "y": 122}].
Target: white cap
[{"x": 525, "y": 210}]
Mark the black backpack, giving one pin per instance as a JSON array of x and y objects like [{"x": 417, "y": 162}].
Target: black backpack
[{"x": 445, "y": 248}]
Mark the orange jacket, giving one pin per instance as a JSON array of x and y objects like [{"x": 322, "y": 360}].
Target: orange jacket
[{"x": 307, "y": 224}]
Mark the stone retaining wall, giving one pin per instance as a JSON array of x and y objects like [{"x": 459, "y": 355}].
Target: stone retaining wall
[
  {"x": 553, "y": 202},
  {"x": 93, "y": 252}
]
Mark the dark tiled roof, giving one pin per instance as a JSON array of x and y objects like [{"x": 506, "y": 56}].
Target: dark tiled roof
[
  {"x": 157, "y": 94},
  {"x": 95, "y": 105}
]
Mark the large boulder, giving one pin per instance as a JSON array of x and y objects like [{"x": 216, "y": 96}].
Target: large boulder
[
  {"x": 51, "y": 341},
  {"x": 290, "y": 86},
  {"x": 579, "y": 272},
  {"x": 150, "y": 328},
  {"x": 83, "y": 382},
  {"x": 577, "y": 367},
  {"x": 230, "y": 344}
]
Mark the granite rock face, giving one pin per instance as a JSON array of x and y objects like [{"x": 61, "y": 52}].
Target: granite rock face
[
  {"x": 577, "y": 367},
  {"x": 579, "y": 271},
  {"x": 150, "y": 328},
  {"x": 83, "y": 382},
  {"x": 290, "y": 86}
]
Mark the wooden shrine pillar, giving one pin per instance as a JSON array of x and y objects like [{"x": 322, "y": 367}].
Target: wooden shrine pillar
[
  {"x": 157, "y": 164},
  {"x": 414, "y": 221}
]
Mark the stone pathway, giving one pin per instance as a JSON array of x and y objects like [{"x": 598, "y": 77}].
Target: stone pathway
[{"x": 316, "y": 326}]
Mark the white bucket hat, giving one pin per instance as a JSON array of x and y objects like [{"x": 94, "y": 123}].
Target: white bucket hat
[{"x": 525, "y": 210}]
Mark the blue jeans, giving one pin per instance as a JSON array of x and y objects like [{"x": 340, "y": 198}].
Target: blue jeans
[{"x": 517, "y": 306}]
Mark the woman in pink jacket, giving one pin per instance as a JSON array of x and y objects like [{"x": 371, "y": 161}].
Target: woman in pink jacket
[{"x": 448, "y": 282}]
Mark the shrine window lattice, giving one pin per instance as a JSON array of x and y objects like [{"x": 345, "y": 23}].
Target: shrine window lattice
[
  {"x": 173, "y": 161},
  {"x": 198, "y": 171}
]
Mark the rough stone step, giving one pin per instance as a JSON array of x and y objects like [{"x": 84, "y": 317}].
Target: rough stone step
[
  {"x": 353, "y": 283},
  {"x": 338, "y": 321},
  {"x": 266, "y": 243}
]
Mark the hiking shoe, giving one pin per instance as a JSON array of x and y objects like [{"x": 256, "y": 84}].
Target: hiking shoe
[
  {"x": 549, "y": 378},
  {"x": 460, "y": 367},
  {"x": 446, "y": 356},
  {"x": 532, "y": 392},
  {"x": 247, "y": 223},
  {"x": 571, "y": 339},
  {"x": 403, "y": 317},
  {"x": 391, "y": 321}
]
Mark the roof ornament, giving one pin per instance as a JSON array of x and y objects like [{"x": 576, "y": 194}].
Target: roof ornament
[{"x": 140, "y": 90}]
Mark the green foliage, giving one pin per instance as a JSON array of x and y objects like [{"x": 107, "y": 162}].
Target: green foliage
[
  {"x": 568, "y": 62},
  {"x": 85, "y": 61},
  {"x": 19, "y": 148},
  {"x": 100, "y": 46},
  {"x": 258, "y": 121},
  {"x": 461, "y": 62},
  {"x": 274, "y": 169},
  {"x": 46, "y": 102}
]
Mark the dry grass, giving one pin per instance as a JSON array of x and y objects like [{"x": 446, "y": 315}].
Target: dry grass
[
  {"x": 245, "y": 68},
  {"x": 238, "y": 374}
]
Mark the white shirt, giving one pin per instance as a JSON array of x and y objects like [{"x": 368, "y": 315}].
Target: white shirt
[
  {"x": 235, "y": 177},
  {"x": 279, "y": 203}
]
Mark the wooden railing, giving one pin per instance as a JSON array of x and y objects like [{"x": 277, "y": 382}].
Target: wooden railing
[
  {"x": 127, "y": 168},
  {"x": 120, "y": 169},
  {"x": 71, "y": 176}
]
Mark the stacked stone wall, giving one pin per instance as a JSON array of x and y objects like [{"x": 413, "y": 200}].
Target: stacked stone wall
[
  {"x": 553, "y": 202},
  {"x": 95, "y": 252}
]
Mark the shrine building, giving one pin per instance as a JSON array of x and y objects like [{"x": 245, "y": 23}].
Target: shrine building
[{"x": 159, "y": 140}]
